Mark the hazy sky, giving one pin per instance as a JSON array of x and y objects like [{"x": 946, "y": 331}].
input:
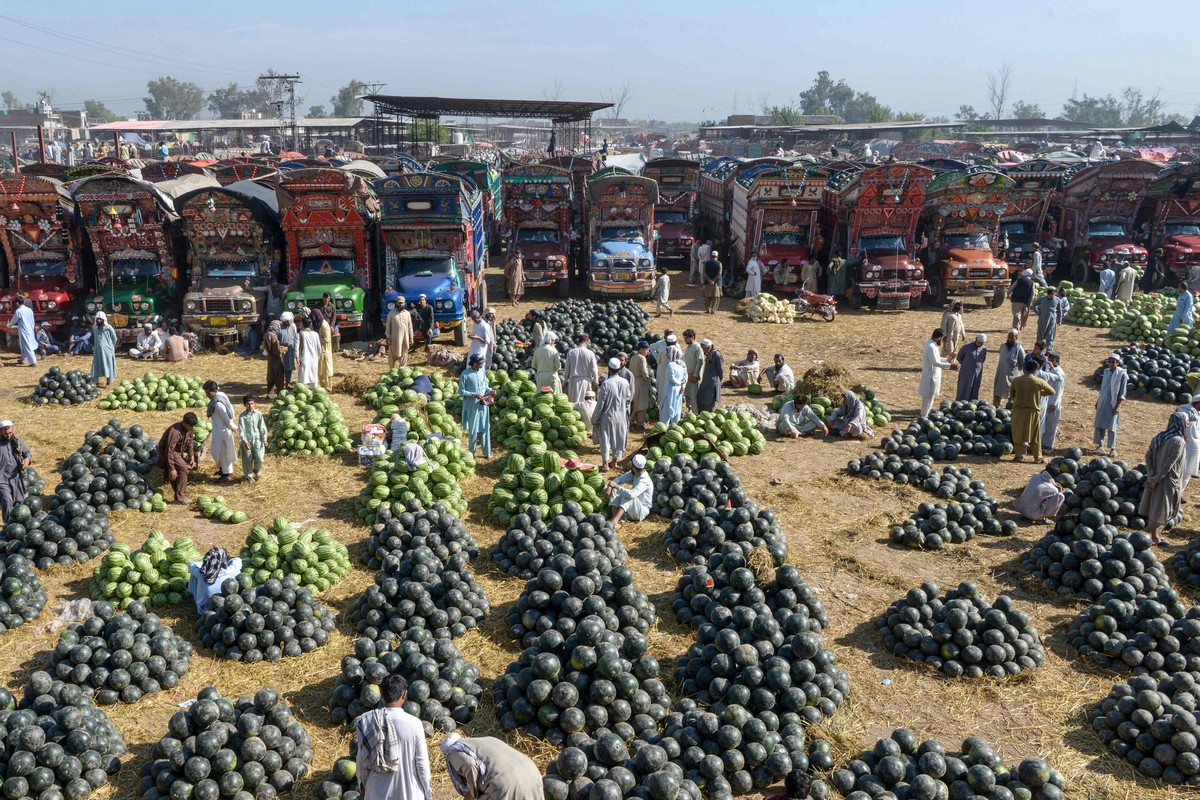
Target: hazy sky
[{"x": 684, "y": 60}]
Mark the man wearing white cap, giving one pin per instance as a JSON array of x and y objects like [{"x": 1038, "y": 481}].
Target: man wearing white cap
[
  {"x": 148, "y": 344},
  {"x": 14, "y": 458},
  {"x": 631, "y": 494},
  {"x": 545, "y": 364},
  {"x": 1113, "y": 384},
  {"x": 970, "y": 368},
  {"x": 1021, "y": 296},
  {"x": 610, "y": 420},
  {"x": 485, "y": 768},
  {"x": 708, "y": 394}
]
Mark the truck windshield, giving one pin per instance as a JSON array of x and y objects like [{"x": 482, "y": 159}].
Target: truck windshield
[
  {"x": 425, "y": 266},
  {"x": 44, "y": 268},
  {"x": 785, "y": 238},
  {"x": 134, "y": 268},
  {"x": 623, "y": 233},
  {"x": 671, "y": 217},
  {"x": 1106, "y": 229},
  {"x": 969, "y": 241},
  {"x": 874, "y": 244},
  {"x": 1181, "y": 229},
  {"x": 231, "y": 269},
  {"x": 328, "y": 266},
  {"x": 1017, "y": 229},
  {"x": 537, "y": 236}
]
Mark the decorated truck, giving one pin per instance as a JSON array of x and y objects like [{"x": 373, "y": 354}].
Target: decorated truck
[
  {"x": 581, "y": 168},
  {"x": 537, "y": 205},
  {"x": 870, "y": 219},
  {"x": 621, "y": 233},
  {"x": 130, "y": 232},
  {"x": 716, "y": 194},
  {"x": 1174, "y": 198},
  {"x": 232, "y": 172},
  {"x": 774, "y": 213},
  {"x": 678, "y": 207},
  {"x": 961, "y": 219},
  {"x": 234, "y": 249},
  {"x": 1100, "y": 205},
  {"x": 488, "y": 179},
  {"x": 327, "y": 216},
  {"x": 432, "y": 244},
  {"x": 39, "y": 248},
  {"x": 1031, "y": 212}
]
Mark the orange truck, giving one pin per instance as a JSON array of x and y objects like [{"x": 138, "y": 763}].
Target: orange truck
[{"x": 870, "y": 219}]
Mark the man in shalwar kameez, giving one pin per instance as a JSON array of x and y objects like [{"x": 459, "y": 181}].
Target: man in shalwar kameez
[
  {"x": 610, "y": 420},
  {"x": 658, "y": 350},
  {"x": 631, "y": 494},
  {"x": 639, "y": 367},
  {"x": 1042, "y": 498},
  {"x": 485, "y": 768},
  {"x": 399, "y": 333},
  {"x": 582, "y": 371},
  {"x": 1009, "y": 363},
  {"x": 1114, "y": 382},
  {"x": 104, "y": 350},
  {"x": 22, "y": 322},
  {"x": 970, "y": 368},
  {"x": 1052, "y": 406},
  {"x": 693, "y": 359},
  {"x": 252, "y": 436},
  {"x": 671, "y": 386},
  {"x": 1191, "y": 461},
  {"x": 14, "y": 459},
  {"x": 476, "y": 413},
  {"x": 545, "y": 364},
  {"x": 931, "y": 372},
  {"x": 221, "y": 412},
  {"x": 1163, "y": 495}
]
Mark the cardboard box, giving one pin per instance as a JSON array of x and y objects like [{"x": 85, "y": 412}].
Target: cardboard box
[
  {"x": 367, "y": 455},
  {"x": 373, "y": 434}
]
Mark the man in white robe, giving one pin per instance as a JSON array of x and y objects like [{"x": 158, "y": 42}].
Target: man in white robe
[
  {"x": 631, "y": 494},
  {"x": 610, "y": 420},
  {"x": 780, "y": 375},
  {"x": 658, "y": 350},
  {"x": 931, "y": 372},
  {"x": 582, "y": 371},
  {"x": 393, "y": 758},
  {"x": 224, "y": 420},
  {"x": 479, "y": 337},
  {"x": 586, "y": 407},
  {"x": 149, "y": 345},
  {"x": 545, "y": 364},
  {"x": 693, "y": 359},
  {"x": 310, "y": 354},
  {"x": 22, "y": 322},
  {"x": 1191, "y": 439},
  {"x": 755, "y": 269},
  {"x": 1052, "y": 406}
]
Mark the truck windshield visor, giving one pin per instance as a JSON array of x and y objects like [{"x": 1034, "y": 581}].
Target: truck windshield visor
[{"x": 328, "y": 266}]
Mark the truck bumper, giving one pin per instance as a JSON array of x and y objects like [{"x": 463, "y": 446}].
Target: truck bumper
[
  {"x": 673, "y": 250},
  {"x": 349, "y": 320},
  {"x": 219, "y": 324},
  {"x": 127, "y": 326},
  {"x": 544, "y": 278},
  {"x": 893, "y": 295},
  {"x": 642, "y": 289},
  {"x": 968, "y": 287}
]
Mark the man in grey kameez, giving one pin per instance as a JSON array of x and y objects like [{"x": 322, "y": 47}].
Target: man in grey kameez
[
  {"x": 693, "y": 360},
  {"x": 610, "y": 420},
  {"x": 581, "y": 369},
  {"x": 970, "y": 368},
  {"x": 1113, "y": 385},
  {"x": 1163, "y": 495},
  {"x": 1049, "y": 312},
  {"x": 485, "y": 768},
  {"x": 709, "y": 392},
  {"x": 1010, "y": 362},
  {"x": 14, "y": 458}
]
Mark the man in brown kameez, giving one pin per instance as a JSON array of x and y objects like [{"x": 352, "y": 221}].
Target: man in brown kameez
[{"x": 177, "y": 454}]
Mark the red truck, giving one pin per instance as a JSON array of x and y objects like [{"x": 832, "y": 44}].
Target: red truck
[
  {"x": 774, "y": 212},
  {"x": 870, "y": 218},
  {"x": 678, "y": 205},
  {"x": 581, "y": 168},
  {"x": 1100, "y": 206},
  {"x": 1174, "y": 198},
  {"x": 716, "y": 194},
  {"x": 538, "y": 208},
  {"x": 40, "y": 248}
]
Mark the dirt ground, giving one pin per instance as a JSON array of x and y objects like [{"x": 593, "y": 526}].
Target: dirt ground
[{"x": 836, "y": 526}]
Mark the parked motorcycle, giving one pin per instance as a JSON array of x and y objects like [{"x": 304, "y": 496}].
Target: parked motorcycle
[{"x": 811, "y": 304}]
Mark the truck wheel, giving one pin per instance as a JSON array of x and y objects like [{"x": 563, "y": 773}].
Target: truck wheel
[
  {"x": 564, "y": 288},
  {"x": 855, "y": 299},
  {"x": 460, "y": 334},
  {"x": 1080, "y": 272},
  {"x": 935, "y": 295},
  {"x": 998, "y": 297}
]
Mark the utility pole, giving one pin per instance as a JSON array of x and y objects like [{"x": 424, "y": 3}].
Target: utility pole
[
  {"x": 287, "y": 84},
  {"x": 373, "y": 87}
]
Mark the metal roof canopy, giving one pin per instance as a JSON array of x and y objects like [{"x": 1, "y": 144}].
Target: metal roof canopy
[{"x": 557, "y": 111}]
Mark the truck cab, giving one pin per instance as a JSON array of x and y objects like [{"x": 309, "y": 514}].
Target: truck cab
[
  {"x": 775, "y": 211},
  {"x": 675, "y": 214},
  {"x": 1100, "y": 204},
  {"x": 622, "y": 233},
  {"x": 538, "y": 201},
  {"x": 1175, "y": 218}
]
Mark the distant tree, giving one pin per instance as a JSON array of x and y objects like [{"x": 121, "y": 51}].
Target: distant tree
[
  {"x": 10, "y": 101},
  {"x": 554, "y": 91},
  {"x": 785, "y": 115},
  {"x": 909, "y": 116},
  {"x": 1023, "y": 110},
  {"x": 316, "y": 111},
  {"x": 98, "y": 112},
  {"x": 998, "y": 85},
  {"x": 1102, "y": 112},
  {"x": 228, "y": 102},
  {"x": 863, "y": 107},
  {"x": 170, "y": 98},
  {"x": 348, "y": 100},
  {"x": 619, "y": 99},
  {"x": 825, "y": 96}
]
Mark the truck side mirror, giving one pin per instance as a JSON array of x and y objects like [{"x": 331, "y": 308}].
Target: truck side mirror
[{"x": 655, "y": 235}]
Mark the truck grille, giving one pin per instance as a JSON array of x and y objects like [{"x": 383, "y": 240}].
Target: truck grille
[{"x": 218, "y": 305}]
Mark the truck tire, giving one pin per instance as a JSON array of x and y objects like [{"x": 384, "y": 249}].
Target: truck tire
[
  {"x": 564, "y": 288},
  {"x": 935, "y": 295},
  {"x": 856, "y": 298},
  {"x": 1080, "y": 270},
  {"x": 998, "y": 297},
  {"x": 460, "y": 334}
]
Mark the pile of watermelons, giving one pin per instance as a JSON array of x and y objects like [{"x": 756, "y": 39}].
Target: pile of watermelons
[
  {"x": 108, "y": 471},
  {"x": 342, "y": 781},
  {"x": 436, "y": 528},
  {"x": 614, "y": 326},
  {"x": 120, "y": 656},
  {"x": 1143, "y": 320},
  {"x": 214, "y": 508},
  {"x": 153, "y": 392},
  {"x": 1186, "y": 564},
  {"x": 1111, "y": 487},
  {"x": 312, "y": 556},
  {"x": 700, "y": 531},
  {"x": 57, "y": 743},
  {"x": 958, "y": 428},
  {"x": 1084, "y": 557},
  {"x": 443, "y": 687},
  {"x": 58, "y": 388},
  {"x": 589, "y": 542},
  {"x": 1151, "y": 724},
  {"x": 1156, "y": 372},
  {"x": 1145, "y": 635},
  {"x": 961, "y": 633},
  {"x": 277, "y": 619},
  {"x": 508, "y": 356},
  {"x": 392, "y": 484},
  {"x": 526, "y": 419},
  {"x": 155, "y": 575},
  {"x": 219, "y": 748},
  {"x": 714, "y": 594},
  {"x": 681, "y": 480},
  {"x": 608, "y": 767},
  {"x": 935, "y": 525},
  {"x": 954, "y": 483},
  {"x": 733, "y": 433},
  {"x": 393, "y": 392},
  {"x": 542, "y": 479},
  {"x": 306, "y": 421},
  {"x": 71, "y": 534},
  {"x": 903, "y": 766},
  {"x": 1093, "y": 309},
  {"x": 22, "y": 596}
]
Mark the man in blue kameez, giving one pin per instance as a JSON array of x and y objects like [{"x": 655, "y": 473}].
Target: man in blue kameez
[
  {"x": 104, "y": 350},
  {"x": 631, "y": 494},
  {"x": 1113, "y": 385},
  {"x": 476, "y": 413},
  {"x": 1184, "y": 308}
]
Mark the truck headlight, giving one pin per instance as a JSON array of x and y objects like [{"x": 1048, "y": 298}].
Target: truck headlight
[
  {"x": 247, "y": 305},
  {"x": 602, "y": 263},
  {"x": 51, "y": 305},
  {"x": 145, "y": 306},
  {"x": 1000, "y": 272},
  {"x": 292, "y": 305},
  {"x": 191, "y": 305},
  {"x": 645, "y": 262}
]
